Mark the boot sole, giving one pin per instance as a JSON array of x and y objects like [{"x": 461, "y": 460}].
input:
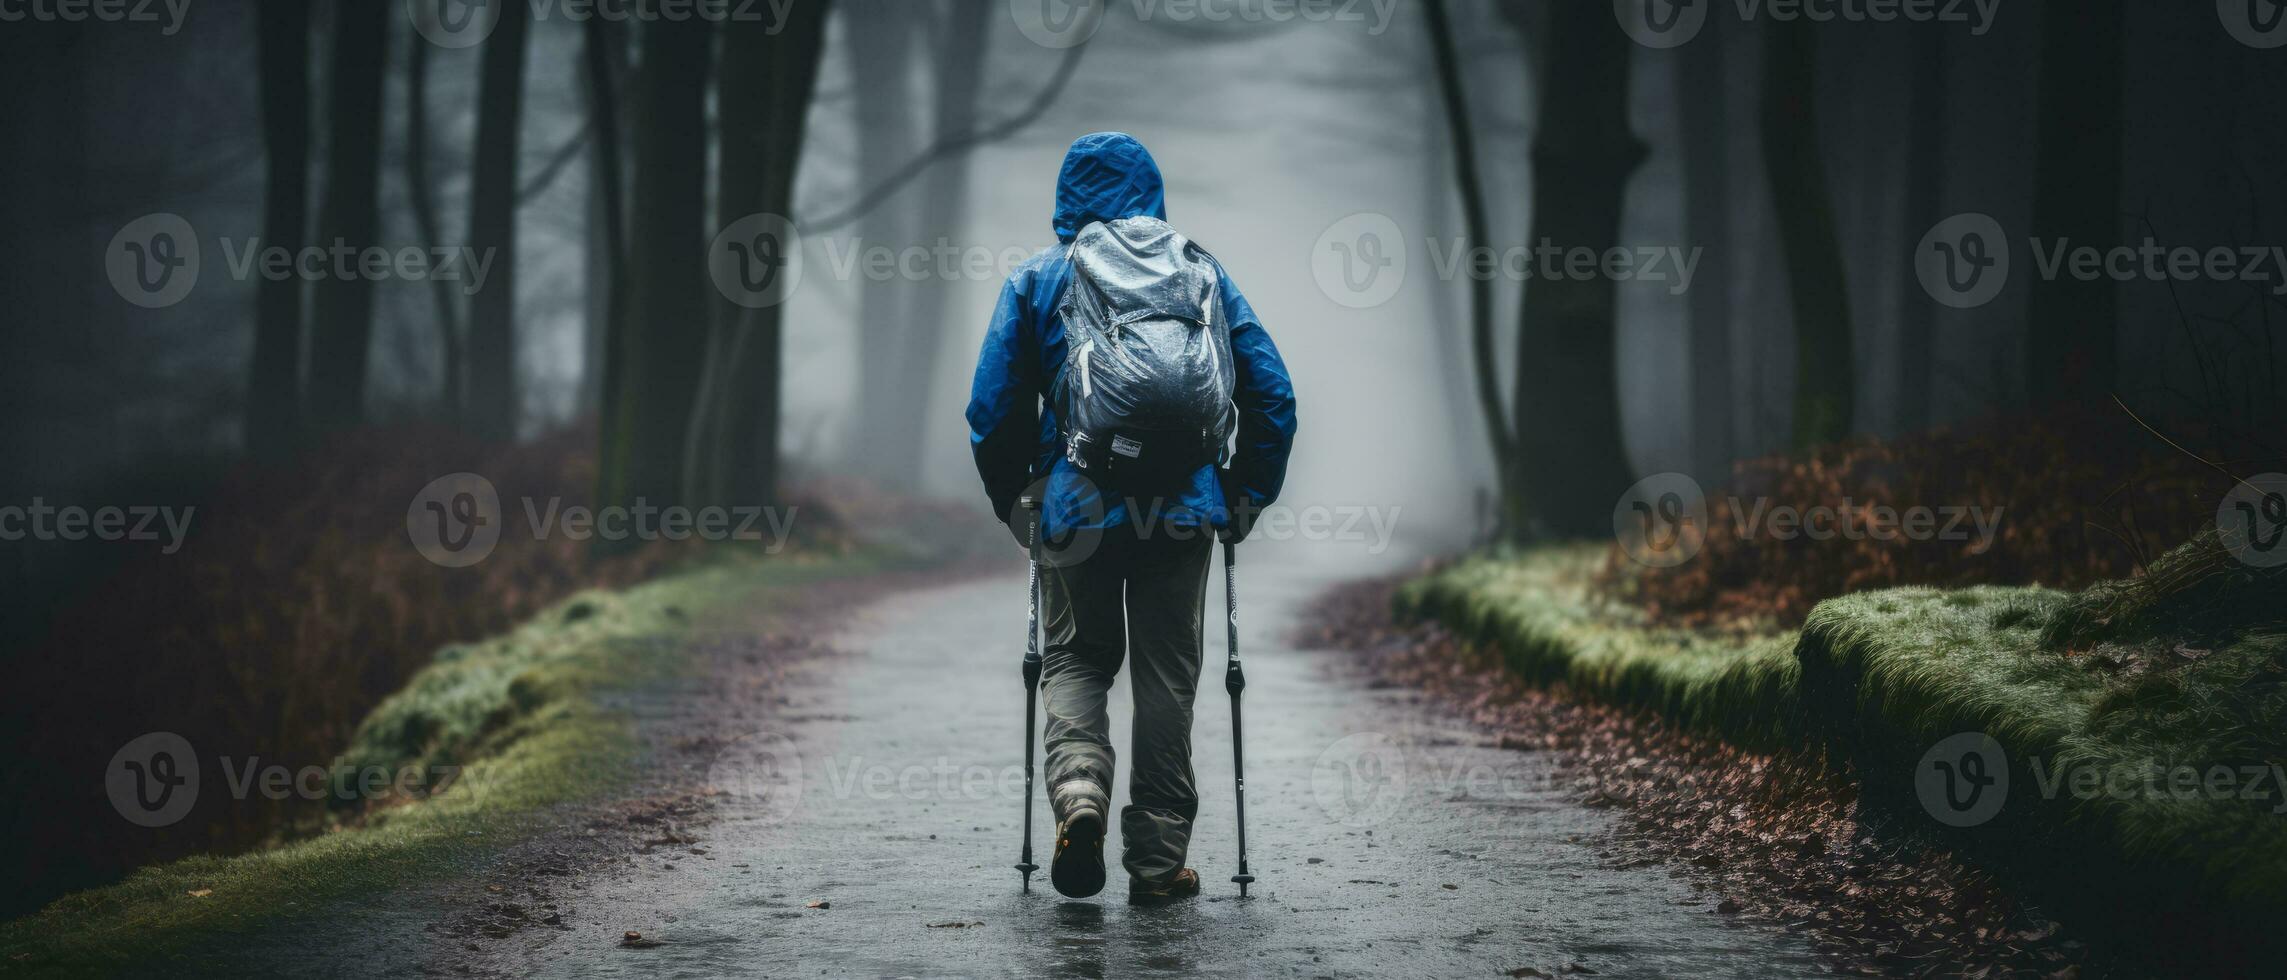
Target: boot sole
[{"x": 1078, "y": 868}]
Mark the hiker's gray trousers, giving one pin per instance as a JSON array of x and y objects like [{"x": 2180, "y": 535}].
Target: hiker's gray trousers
[{"x": 1089, "y": 629}]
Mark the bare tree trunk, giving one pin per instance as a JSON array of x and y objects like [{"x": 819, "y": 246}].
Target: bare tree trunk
[
  {"x": 341, "y": 333},
  {"x": 767, "y": 78},
  {"x": 1924, "y": 195},
  {"x": 959, "y": 61},
  {"x": 883, "y": 35},
  {"x": 601, "y": 73},
  {"x": 2070, "y": 351},
  {"x": 492, "y": 402},
  {"x": 1571, "y": 460},
  {"x": 661, "y": 346},
  {"x": 1823, "y": 365},
  {"x": 1461, "y": 134},
  {"x": 425, "y": 218},
  {"x": 274, "y": 390},
  {"x": 1702, "y": 95}
]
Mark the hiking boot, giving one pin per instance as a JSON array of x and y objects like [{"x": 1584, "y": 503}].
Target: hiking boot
[
  {"x": 1184, "y": 885},
  {"x": 1077, "y": 871}
]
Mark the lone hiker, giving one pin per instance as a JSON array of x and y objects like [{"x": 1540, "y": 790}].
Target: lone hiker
[{"x": 1118, "y": 366}]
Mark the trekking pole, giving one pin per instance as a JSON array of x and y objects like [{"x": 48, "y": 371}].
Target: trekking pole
[
  {"x": 1235, "y": 681},
  {"x": 1031, "y": 507}
]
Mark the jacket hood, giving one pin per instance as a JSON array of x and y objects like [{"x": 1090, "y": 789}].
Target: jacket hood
[{"x": 1106, "y": 176}]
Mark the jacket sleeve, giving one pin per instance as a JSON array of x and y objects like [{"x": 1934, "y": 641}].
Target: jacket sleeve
[
  {"x": 1004, "y": 399},
  {"x": 1265, "y": 398}
]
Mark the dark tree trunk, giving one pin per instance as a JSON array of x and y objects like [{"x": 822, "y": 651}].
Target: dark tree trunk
[
  {"x": 341, "y": 332},
  {"x": 959, "y": 63},
  {"x": 662, "y": 343},
  {"x": 764, "y": 98},
  {"x": 1821, "y": 305},
  {"x": 2070, "y": 345},
  {"x": 425, "y": 219},
  {"x": 1923, "y": 196},
  {"x": 1461, "y": 135},
  {"x": 492, "y": 402},
  {"x": 274, "y": 390},
  {"x": 1702, "y": 96},
  {"x": 603, "y": 67},
  {"x": 1571, "y": 462}
]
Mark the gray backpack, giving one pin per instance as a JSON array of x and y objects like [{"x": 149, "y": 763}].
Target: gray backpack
[{"x": 1144, "y": 397}]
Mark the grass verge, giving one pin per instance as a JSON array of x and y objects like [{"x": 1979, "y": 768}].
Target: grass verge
[
  {"x": 2142, "y": 723},
  {"x": 499, "y": 730},
  {"x": 2146, "y": 763},
  {"x": 1537, "y": 608}
]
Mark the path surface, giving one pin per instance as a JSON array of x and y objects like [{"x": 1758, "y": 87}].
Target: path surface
[{"x": 1388, "y": 839}]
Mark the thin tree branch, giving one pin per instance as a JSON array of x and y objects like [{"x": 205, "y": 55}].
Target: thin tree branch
[
  {"x": 1473, "y": 216},
  {"x": 557, "y": 162},
  {"x": 949, "y": 146}
]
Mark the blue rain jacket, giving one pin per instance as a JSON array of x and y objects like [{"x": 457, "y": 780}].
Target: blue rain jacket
[{"x": 1012, "y": 430}]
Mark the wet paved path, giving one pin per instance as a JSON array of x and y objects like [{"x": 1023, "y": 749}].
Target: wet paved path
[{"x": 1388, "y": 839}]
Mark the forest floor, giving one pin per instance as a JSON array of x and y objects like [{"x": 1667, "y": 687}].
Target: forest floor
[
  {"x": 819, "y": 769},
  {"x": 2079, "y": 746},
  {"x": 834, "y": 786}
]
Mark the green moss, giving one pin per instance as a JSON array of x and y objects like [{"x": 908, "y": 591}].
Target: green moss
[
  {"x": 518, "y": 720},
  {"x": 2182, "y": 672},
  {"x": 2109, "y": 748},
  {"x": 1535, "y": 607}
]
